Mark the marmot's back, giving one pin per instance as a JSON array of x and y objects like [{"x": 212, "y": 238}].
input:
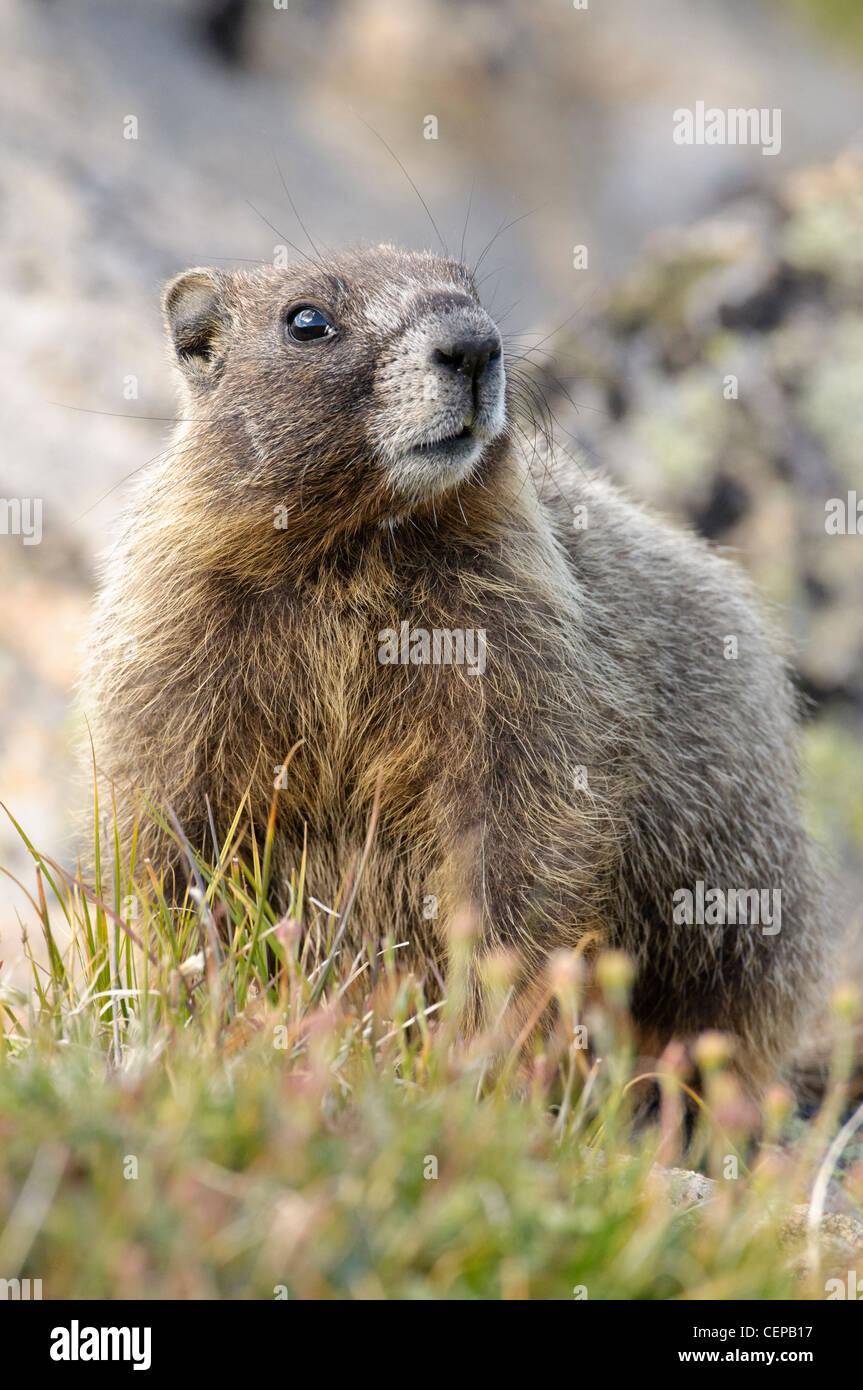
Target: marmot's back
[{"x": 714, "y": 745}]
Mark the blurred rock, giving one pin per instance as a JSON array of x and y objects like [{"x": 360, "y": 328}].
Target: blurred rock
[{"x": 723, "y": 381}]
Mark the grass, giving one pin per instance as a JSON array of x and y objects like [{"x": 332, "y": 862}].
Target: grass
[{"x": 190, "y": 1107}]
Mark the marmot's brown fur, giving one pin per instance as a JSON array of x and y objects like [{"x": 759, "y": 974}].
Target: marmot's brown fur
[{"x": 348, "y": 466}]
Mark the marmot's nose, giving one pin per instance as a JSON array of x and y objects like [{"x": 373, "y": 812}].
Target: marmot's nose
[{"x": 469, "y": 355}]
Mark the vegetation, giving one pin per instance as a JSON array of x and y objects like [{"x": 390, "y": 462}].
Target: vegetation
[{"x": 189, "y": 1108}]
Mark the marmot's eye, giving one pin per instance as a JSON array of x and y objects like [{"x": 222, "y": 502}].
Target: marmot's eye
[{"x": 307, "y": 322}]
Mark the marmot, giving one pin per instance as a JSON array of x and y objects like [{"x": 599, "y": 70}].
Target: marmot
[{"x": 573, "y": 711}]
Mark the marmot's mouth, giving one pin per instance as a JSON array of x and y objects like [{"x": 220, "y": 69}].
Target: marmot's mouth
[{"x": 449, "y": 441}]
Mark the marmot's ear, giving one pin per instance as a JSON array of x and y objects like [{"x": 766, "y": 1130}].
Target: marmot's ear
[{"x": 196, "y": 319}]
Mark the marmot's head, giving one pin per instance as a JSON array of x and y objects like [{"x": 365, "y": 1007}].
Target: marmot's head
[{"x": 369, "y": 384}]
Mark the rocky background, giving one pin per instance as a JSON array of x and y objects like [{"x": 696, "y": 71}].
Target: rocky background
[{"x": 708, "y": 356}]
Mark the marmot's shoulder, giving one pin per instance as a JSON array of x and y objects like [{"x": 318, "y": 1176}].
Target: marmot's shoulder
[{"x": 627, "y": 555}]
